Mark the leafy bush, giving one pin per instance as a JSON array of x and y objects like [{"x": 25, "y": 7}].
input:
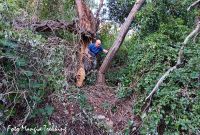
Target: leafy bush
[
  {"x": 31, "y": 69},
  {"x": 150, "y": 54}
]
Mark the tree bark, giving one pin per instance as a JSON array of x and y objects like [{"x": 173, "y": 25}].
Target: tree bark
[
  {"x": 87, "y": 21},
  {"x": 88, "y": 26},
  {"x": 124, "y": 29}
]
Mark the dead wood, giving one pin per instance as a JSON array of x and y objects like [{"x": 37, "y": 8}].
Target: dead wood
[{"x": 52, "y": 25}]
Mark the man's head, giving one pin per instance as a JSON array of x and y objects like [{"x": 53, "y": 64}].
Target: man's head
[{"x": 98, "y": 43}]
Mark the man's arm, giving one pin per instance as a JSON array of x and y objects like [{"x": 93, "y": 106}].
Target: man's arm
[
  {"x": 89, "y": 46},
  {"x": 105, "y": 51}
]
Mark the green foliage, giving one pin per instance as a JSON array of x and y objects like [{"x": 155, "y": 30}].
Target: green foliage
[
  {"x": 82, "y": 99},
  {"x": 30, "y": 65},
  {"x": 33, "y": 67},
  {"x": 57, "y": 9},
  {"x": 119, "y": 9},
  {"x": 150, "y": 54},
  {"x": 164, "y": 12},
  {"x": 163, "y": 25},
  {"x": 46, "y": 111},
  {"x": 123, "y": 92}
]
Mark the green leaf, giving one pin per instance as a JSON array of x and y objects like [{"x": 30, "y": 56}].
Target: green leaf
[
  {"x": 37, "y": 85},
  {"x": 49, "y": 109},
  {"x": 194, "y": 75},
  {"x": 28, "y": 73},
  {"x": 36, "y": 99},
  {"x": 21, "y": 62}
]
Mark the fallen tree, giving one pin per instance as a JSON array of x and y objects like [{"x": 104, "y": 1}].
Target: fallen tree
[
  {"x": 86, "y": 26},
  {"x": 53, "y": 25}
]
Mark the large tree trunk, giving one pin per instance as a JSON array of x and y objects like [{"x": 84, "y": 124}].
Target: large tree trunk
[
  {"x": 124, "y": 29},
  {"x": 88, "y": 26}
]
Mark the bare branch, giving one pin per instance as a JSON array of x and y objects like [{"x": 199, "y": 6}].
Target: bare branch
[
  {"x": 28, "y": 110},
  {"x": 192, "y": 34},
  {"x": 193, "y": 5},
  {"x": 160, "y": 82}
]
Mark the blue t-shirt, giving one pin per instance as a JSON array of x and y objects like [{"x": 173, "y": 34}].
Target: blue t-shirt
[{"x": 95, "y": 49}]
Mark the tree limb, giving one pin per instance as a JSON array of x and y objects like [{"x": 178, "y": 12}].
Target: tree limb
[
  {"x": 192, "y": 34},
  {"x": 193, "y": 5}
]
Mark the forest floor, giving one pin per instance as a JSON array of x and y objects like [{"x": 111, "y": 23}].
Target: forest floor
[{"x": 103, "y": 111}]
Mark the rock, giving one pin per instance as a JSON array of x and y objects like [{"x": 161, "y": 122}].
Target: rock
[
  {"x": 100, "y": 117},
  {"x": 109, "y": 122}
]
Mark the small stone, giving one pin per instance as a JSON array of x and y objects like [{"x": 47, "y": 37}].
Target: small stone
[
  {"x": 100, "y": 117},
  {"x": 109, "y": 123}
]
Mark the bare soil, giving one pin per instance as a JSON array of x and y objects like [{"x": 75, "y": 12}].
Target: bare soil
[{"x": 114, "y": 113}]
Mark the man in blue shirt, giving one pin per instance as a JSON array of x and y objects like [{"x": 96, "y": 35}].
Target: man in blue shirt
[{"x": 94, "y": 49}]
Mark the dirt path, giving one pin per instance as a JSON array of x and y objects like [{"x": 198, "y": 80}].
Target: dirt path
[
  {"x": 107, "y": 112},
  {"x": 116, "y": 113}
]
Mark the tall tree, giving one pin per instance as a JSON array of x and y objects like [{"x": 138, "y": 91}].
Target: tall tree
[{"x": 120, "y": 38}]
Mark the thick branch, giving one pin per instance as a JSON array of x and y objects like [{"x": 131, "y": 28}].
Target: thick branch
[
  {"x": 193, "y": 5},
  {"x": 192, "y": 34}
]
